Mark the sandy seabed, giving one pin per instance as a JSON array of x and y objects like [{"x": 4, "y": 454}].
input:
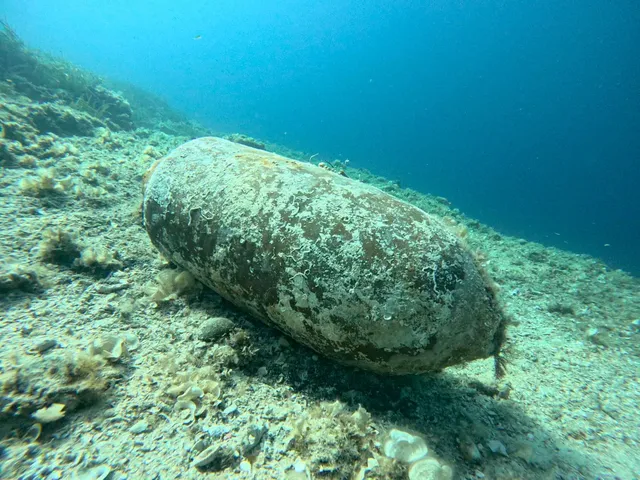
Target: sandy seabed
[{"x": 113, "y": 365}]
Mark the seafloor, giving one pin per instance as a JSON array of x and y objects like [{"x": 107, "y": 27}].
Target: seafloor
[{"x": 112, "y": 366}]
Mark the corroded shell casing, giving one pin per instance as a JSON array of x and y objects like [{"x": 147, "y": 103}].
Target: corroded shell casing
[{"x": 342, "y": 267}]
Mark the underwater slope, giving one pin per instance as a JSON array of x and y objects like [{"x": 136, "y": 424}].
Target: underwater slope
[{"x": 112, "y": 360}]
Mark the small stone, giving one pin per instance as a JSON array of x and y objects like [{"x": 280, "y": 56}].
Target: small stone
[
  {"x": 45, "y": 345},
  {"x": 215, "y": 328},
  {"x": 26, "y": 330},
  {"x": 139, "y": 427},
  {"x": 597, "y": 337},
  {"x": 470, "y": 451},
  {"x": 497, "y": 447},
  {"x": 110, "y": 413},
  {"x": 231, "y": 409},
  {"x": 216, "y": 431}
]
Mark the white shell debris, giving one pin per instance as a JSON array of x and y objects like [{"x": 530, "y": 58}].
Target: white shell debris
[
  {"x": 33, "y": 433},
  {"x": 114, "y": 347},
  {"x": 101, "y": 472},
  {"x": 193, "y": 392},
  {"x": 298, "y": 471},
  {"x": 405, "y": 447},
  {"x": 430, "y": 469},
  {"x": 132, "y": 341},
  {"x": 205, "y": 457},
  {"x": 187, "y": 411},
  {"x": 49, "y": 414}
]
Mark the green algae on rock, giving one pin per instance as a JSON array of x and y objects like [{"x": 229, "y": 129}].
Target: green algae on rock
[{"x": 340, "y": 266}]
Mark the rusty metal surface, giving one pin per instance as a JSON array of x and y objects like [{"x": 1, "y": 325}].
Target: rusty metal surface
[{"x": 338, "y": 265}]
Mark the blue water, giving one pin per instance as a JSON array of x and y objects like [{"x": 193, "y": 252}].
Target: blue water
[{"x": 526, "y": 115}]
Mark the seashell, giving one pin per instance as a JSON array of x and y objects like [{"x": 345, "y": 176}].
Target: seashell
[
  {"x": 216, "y": 457},
  {"x": 118, "y": 351},
  {"x": 111, "y": 347},
  {"x": 191, "y": 393},
  {"x": 33, "y": 433},
  {"x": 132, "y": 341},
  {"x": 187, "y": 411},
  {"x": 430, "y": 469},
  {"x": 178, "y": 390},
  {"x": 101, "y": 472},
  {"x": 212, "y": 388},
  {"x": 207, "y": 456}
]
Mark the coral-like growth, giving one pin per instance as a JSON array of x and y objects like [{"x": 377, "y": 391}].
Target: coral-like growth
[
  {"x": 331, "y": 439},
  {"x": 18, "y": 277},
  {"x": 59, "y": 246},
  {"x": 172, "y": 283},
  {"x": 412, "y": 450},
  {"x": 63, "y": 248}
]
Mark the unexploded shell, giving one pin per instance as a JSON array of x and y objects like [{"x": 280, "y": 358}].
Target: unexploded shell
[{"x": 342, "y": 267}]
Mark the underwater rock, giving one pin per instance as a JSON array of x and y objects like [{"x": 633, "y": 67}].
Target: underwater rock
[
  {"x": 18, "y": 277},
  {"x": 340, "y": 266},
  {"x": 62, "y": 120},
  {"x": 215, "y": 328},
  {"x": 111, "y": 107},
  {"x": 22, "y": 121},
  {"x": 246, "y": 140}
]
